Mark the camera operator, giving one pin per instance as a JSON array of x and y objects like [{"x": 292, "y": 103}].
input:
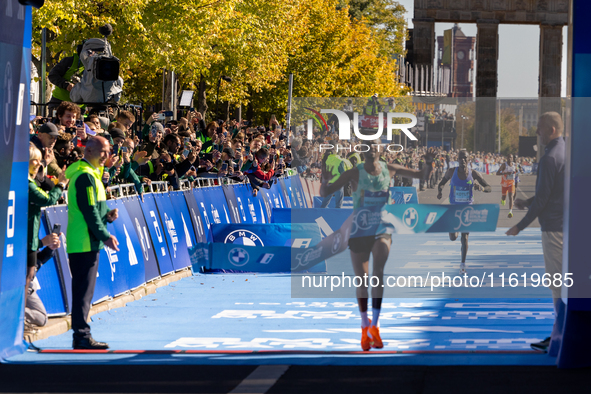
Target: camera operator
[{"x": 64, "y": 76}]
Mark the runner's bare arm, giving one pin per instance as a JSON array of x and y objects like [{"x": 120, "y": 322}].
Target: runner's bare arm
[
  {"x": 501, "y": 169},
  {"x": 329, "y": 188},
  {"x": 397, "y": 169},
  {"x": 448, "y": 175},
  {"x": 486, "y": 187}
]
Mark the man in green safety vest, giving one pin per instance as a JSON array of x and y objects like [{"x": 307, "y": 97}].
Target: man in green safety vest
[
  {"x": 373, "y": 107},
  {"x": 87, "y": 234},
  {"x": 334, "y": 165}
]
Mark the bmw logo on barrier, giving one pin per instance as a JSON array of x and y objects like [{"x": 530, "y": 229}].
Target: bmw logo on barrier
[
  {"x": 243, "y": 237},
  {"x": 238, "y": 257},
  {"x": 410, "y": 218}
]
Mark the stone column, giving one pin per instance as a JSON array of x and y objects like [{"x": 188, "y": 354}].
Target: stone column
[
  {"x": 487, "y": 55},
  {"x": 424, "y": 47},
  {"x": 550, "y": 71}
]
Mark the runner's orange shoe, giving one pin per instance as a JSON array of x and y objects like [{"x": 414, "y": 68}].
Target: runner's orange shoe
[
  {"x": 365, "y": 340},
  {"x": 375, "y": 336}
]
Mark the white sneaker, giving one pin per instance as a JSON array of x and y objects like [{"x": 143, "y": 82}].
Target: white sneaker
[{"x": 462, "y": 268}]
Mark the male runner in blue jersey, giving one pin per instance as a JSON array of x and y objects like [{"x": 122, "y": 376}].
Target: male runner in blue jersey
[
  {"x": 461, "y": 192},
  {"x": 370, "y": 183}
]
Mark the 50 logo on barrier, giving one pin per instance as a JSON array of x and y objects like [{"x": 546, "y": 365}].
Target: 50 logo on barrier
[{"x": 469, "y": 215}]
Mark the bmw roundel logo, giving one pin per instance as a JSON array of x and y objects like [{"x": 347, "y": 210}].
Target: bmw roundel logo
[
  {"x": 336, "y": 243},
  {"x": 243, "y": 237},
  {"x": 410, "y": 218},
  {"x": 238, "y": 257}
]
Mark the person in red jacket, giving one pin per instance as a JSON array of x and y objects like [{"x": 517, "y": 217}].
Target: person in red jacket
[{"x": 257, "y": 176}]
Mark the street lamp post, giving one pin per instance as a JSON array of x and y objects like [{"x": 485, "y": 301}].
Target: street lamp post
[
  {"x": 217, "y": 97},
  {"x": 463, "y": 118}
]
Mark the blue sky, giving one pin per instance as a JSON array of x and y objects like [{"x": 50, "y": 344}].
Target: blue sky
[{"x": 518, "y": 58}]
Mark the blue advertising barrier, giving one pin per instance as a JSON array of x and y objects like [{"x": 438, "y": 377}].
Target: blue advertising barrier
[
  {"x": 251, "y": 210},
  {"x": 201, "y": 230},
  {"x": 15, "y": 63},
  {"x": 290, "y": 192},
  {"x": 134, "y": 209},
  {"x": 287, "y": 199},
  {"x": 404, "y": 195},
  {"x": 328, "y": 220},
  {"x": 299, "y": 235},
  {"x": 232, "y": 203},
  {"x": 274, "y": 196},
  {"x": 399, "y": 195},
  {"x": 59, "y": 215},
  {"x": 51, "y": 292},
  {"x": 574, "y": 352},
  {"x": 157, "y": 231},
  {"x": 205, "y": 213},
  {"x": 174, "y": 231},
  {"x": 180, "y": 206},
  {"x": 127, "y": 265},
  {"x": 298, "y": 189},
  {"x": 265, "y": 207},
  {"x": 256, "y": 248},
  {"x": 243, "y": 258},
  {"x": 424, "y": 218},
  {"x": 347, "y": 203},
  {"x": 216, "y": 205}
]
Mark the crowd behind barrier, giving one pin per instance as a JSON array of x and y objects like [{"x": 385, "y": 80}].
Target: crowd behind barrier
[{"x": 159, "y": 234}]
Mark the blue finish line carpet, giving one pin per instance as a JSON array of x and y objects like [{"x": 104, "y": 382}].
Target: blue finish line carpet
[{"x": 252, "y": 319}]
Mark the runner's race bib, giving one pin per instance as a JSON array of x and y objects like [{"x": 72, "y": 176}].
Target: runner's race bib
[
  {"x": 376, "y": 198},
  {"x": 462, "y": 195}
]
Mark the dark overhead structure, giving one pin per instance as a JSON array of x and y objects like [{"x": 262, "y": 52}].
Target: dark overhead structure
[{"x": 550, "y": 15}]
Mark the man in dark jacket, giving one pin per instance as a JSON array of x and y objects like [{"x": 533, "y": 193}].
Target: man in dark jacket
[{"x": 547, "y": 205}]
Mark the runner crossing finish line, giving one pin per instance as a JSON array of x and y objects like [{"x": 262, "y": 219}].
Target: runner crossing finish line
[{"x": 370, "y": 183}]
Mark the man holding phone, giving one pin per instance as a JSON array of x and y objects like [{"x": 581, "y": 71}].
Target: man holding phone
[{"x": 87, "y": 234}]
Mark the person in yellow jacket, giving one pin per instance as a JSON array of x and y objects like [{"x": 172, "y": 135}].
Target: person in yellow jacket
[
  {"x": 87, "y": 234},
  {"x": 335, "y": 165}
]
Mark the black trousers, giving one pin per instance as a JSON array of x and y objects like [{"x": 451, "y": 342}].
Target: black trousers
[{"x": 84, "y": 267}]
